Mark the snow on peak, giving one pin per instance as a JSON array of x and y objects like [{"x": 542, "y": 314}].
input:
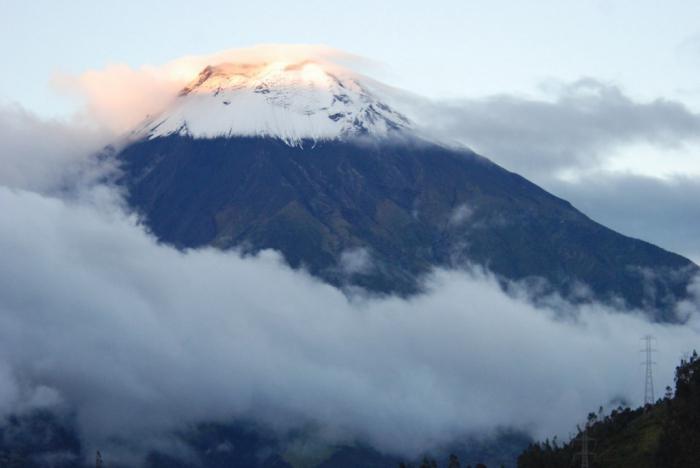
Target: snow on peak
[{"x": 293, "y": 101}]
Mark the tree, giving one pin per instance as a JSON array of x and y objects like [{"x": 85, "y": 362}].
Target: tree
[{"x": 679, "y": 444}]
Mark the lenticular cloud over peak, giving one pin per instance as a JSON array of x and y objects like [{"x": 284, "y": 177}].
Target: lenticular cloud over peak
[{"x": 121, "y": 96}]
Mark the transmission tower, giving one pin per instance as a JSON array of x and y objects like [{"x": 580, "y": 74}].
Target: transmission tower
[
  {"x": 649, "y": 398},
  {"x": 585, "y": 454},
  {"x": 585, "y": 450}
]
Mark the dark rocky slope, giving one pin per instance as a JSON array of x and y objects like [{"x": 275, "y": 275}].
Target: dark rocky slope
[{"x": 412, "y": 205}]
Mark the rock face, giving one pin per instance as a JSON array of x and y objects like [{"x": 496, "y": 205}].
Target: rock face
[{"x": 380, "y": 212}]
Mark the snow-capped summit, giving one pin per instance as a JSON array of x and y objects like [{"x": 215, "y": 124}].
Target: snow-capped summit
[{"x": 293, "y": 101}]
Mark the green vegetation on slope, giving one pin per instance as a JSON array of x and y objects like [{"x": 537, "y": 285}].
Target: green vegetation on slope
[{"x": 664, "y": 435}]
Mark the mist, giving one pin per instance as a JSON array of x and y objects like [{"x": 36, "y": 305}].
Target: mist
[
  {"x": 140, "y": 339},
  {"x": 48, "y": 156}
]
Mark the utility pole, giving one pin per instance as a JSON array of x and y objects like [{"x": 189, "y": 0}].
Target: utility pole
[
  {"x": 98, "y": 459},
  {"x": 649, "y": 398}
]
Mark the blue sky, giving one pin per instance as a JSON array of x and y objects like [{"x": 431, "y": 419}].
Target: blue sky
[{"x": 438, "y": 48}]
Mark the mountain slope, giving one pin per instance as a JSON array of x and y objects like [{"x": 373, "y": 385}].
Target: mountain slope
[
  {"x": 663, "y": 435},
  {"x": 406, "y": 204},
  {"x": 304, "y": 158}
]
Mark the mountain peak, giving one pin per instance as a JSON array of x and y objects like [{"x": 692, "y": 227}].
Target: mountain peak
[{"x": 289, "y": 100}]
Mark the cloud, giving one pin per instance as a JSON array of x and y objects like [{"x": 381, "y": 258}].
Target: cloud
[
  {"x": 631, "y": 165},
  {"x": 355, "y": 261},
  {"x": 578, "y": 127},
  {"x": 140, "y": 339},
  {"x": 460, "y": 214},
  {"x": 44, "y": 155},
  {"x": 120, "y": 96}
]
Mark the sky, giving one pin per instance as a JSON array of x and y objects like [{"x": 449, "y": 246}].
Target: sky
[
  {"x": 439, "y": 48},
  {"x": 598, "y": 102}
]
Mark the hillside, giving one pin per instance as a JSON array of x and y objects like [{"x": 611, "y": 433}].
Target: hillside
[
  {"x": 664, "y": 435},
  {"x": 382, "y": 213}
]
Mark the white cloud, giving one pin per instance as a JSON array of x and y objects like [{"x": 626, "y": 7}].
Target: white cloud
[
  {"x": 141, "y": 338},
  {"x": 460, "y": 214},
  {"x": 575, "y": 127},
  {"x": 355, "y": 261},
  {"x": 45, "y": 155}
]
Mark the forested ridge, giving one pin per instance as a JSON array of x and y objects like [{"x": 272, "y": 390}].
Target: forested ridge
[{"x": 663, "y": 435}]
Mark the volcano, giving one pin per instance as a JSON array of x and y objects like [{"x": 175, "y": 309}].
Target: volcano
[{"x": 308, "y": 159}]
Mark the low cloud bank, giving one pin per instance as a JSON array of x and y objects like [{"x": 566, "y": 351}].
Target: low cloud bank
[
  {"x": 46, "y": 155},
  {"x": 576, "y": 126},
  {"x": 141, "y": 339}
]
